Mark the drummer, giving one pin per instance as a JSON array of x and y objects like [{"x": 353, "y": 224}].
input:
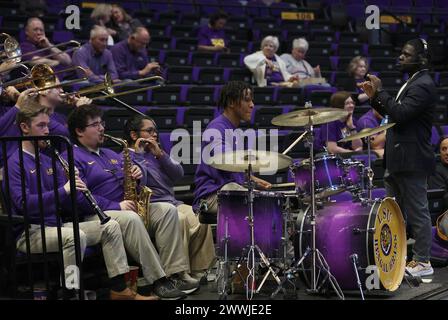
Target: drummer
[
  {"x": 236, "y": 101},
  {"x": 332, "y": 132},
  {"x": 372, "y": 119}
]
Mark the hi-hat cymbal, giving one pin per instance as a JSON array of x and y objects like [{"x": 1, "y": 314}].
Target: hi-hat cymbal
[
  {"x": 367, "y": 132},
  {"x": 238, "y": 161},
  {"x": 300, "y": 118}
]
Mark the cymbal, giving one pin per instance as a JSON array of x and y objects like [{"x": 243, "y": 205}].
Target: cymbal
[
  {"x": 367, "y": 132},
  {"x": 300, "y": 118},
  {"x": 238, "y": 161}
]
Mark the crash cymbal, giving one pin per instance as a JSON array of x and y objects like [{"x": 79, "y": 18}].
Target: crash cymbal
[
  {"x": 238, "y": 161},
  {"x": 367, "y": 132},
  {"x": 300, "y": 118}
]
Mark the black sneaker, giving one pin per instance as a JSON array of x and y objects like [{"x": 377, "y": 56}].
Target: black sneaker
[
  {"x": 185, "y": 285},
  {"x": 167, "y": 291}
]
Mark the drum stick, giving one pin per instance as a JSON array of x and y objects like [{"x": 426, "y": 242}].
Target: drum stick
[
  {"x": 283, "y": 185},
  {"x": 295, "y": 142}
]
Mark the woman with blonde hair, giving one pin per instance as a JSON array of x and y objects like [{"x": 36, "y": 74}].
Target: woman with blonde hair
[
  {"x": 266, "y": 66},
  {"x": 100, "y": 16},
  {"x": 357, "y": 70}
]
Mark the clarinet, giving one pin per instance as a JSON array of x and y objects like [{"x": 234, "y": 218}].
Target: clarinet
[{"x": 104, "y": 218}]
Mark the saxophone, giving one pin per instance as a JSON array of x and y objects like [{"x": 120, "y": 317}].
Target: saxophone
[{"x": 141, "y": 199}]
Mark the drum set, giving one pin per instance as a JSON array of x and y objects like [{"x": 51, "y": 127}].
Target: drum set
[{"x": 347, "y": 245}]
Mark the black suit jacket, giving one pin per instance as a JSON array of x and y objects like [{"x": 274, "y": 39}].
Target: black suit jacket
[{"x": 408, "y": 143}]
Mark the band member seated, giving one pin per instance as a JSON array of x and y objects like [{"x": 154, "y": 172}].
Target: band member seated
[
  {"x": 95, "y": 58},
  {"x": 34, "y": 120},
  {"x": 236, "y": 101},
  {"x": 103, "y": 173},
  {"x": 372, "y": 119},
  {"x": 131, "y": 56},
  {"x": 162, "y": 173},
  {"x": 334, "y": 131},
  {"x": 49, "y": 98}
]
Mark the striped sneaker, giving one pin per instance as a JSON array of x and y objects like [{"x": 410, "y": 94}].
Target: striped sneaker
[{"x": 419, "y": 269}]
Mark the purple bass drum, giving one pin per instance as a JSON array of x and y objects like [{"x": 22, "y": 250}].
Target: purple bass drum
[
  {"x": 376, "y": 233},
  {"x": 233, "y": 212},
  {"x": 328, "y": 176}
]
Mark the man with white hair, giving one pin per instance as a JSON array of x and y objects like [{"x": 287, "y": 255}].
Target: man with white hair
[
  {"x": 267, "y": 67},
  {"x": 95, "y": 57},
  {"x": 296, "y": 63}
]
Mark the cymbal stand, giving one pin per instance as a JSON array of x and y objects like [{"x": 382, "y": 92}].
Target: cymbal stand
[
  {"x": 223, "y": 273},
  {"x": 250, "y": 288},
  {"x": 370, "y": 172},
  {"x": 317, "y": 257}
]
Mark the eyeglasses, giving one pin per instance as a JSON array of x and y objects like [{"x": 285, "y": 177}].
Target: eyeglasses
[
  {"x": 149, "y": 130},
  {"x": 97, "y": 124}
]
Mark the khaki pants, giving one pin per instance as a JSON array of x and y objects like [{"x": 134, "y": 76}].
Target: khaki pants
[
  {"x": 197, "y": 239},
  {"x": 90, "y": 233}
]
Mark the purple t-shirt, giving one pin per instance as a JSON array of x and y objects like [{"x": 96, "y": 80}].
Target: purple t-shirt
[
  {"x": 211, "y": 37},
  {"x": 273, "y": 75},
  {"x": 367, "y": 120},
  {"x": 127, "y": 62},
  {"x": 209, "y": 180},
  {"x": 335, "y": 131},
  {"x": 161, "y": 175},
  {"x": 98, "y": 63}
]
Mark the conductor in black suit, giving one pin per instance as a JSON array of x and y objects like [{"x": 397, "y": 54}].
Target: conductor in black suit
[{"x": 409, "y": 158}]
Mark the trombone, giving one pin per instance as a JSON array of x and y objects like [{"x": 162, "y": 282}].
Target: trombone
[
  {"x": 42, "y": 77},
  {"x": 107, "y": 90}
]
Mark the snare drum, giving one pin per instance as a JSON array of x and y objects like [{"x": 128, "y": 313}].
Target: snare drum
[
  {"x": 233, "y": 224},
  {"x": 376, "y": 233},
  {"x": 328, "y": 174}
]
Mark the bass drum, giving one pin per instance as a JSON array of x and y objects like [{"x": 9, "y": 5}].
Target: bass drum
[{"x": 376, "y": 233}]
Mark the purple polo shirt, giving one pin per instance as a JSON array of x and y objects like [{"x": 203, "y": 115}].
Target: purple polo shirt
[
  {"x": 367, "y": 120},
  {"x": 9, "y": 128},
  {"x": 211, "y": 37},
  {"x": 31, "y": 188},
  {"x": 127, "y": 62},
  {"x": 273, "y": 76},
  {"x": 103, "y": 175},
  {"x": 209, "y": 180},
  {"x": 334, "y": 131},
  {"x": 99, "y": 64},
  {"x": 161, "y": 175}
]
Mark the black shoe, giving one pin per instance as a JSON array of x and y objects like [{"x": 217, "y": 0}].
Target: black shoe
[
  {"x": 186, "y": 285},
  {"x": 167, "y": 291}
]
